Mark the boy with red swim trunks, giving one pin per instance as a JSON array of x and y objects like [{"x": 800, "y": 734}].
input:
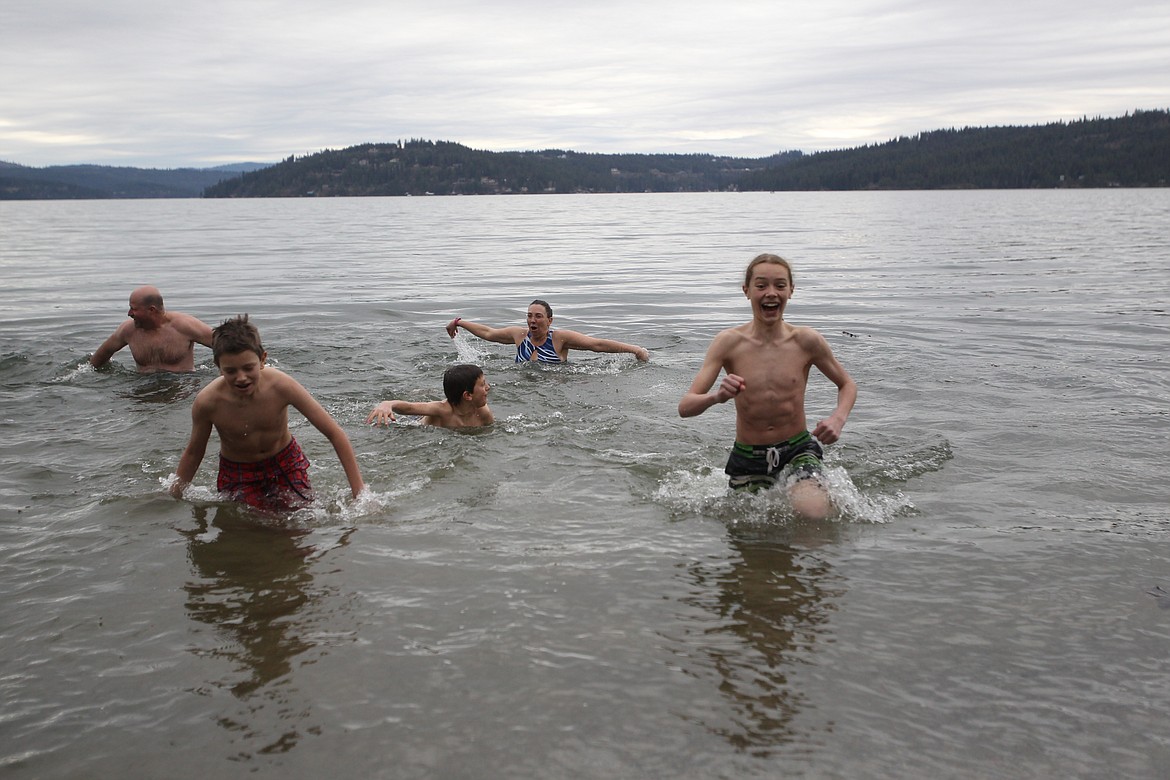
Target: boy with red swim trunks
[
  {"x": 767, "y": 362},
  {"x": 260, "y": 463}
]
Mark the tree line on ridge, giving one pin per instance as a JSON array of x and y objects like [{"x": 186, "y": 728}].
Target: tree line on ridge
[{"x": 1128, "y": 151}]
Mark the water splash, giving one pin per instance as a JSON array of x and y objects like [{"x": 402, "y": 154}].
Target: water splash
[
  {"x": 330, "y": 506},
  {"x": 704, "y": 492},
  {"x": 73, "y": 374},
  {"x": 469, "y": 350}
]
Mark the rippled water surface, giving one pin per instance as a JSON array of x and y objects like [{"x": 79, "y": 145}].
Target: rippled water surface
[{"x": 573, "y": 593}]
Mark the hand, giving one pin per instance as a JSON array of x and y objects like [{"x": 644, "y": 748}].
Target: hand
[
  {"x": 383, "y": 414},
  {"x": 642, "y": 354},
  {"x": 827, "y": 431},
  {"x": 731, "y": 386},
  {"x": 453, "y": 326}
]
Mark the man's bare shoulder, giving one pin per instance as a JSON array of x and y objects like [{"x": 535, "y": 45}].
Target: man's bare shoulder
[{"x": 187, "y": 323}]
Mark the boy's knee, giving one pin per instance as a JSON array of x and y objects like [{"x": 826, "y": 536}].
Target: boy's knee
[{"x": 810, "y": 500}]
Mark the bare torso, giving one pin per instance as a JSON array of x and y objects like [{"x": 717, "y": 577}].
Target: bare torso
[
  {"x": 254, "y": 428},
  {"x": 774, "y": 365},
  {"x": 474, "y": 417},
  {"x": 167, "y": 344},
  {"x": 161, "y": 349}
]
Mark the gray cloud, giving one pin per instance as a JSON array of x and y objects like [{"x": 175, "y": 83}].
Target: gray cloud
[{"x": 132, "y": 82}]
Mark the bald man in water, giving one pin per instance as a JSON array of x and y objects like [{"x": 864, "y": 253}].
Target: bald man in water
[{"x": 159, "y": 340}]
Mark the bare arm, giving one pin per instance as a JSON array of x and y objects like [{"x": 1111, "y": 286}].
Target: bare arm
[
  {"x": 196, "y": 447},
  {"x": 509, "y": 335},
  {"x": 697, "y": 399},
  {"x": 828, "y": 430},
  {"x": 383, "y": 413},
  {"x": 115, "y": 342},
  {"x": 320, "y": 419},
  {"x": 577, "y": 340}
]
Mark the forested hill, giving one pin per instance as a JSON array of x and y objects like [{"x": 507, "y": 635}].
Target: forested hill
[
  {"x": 420, "y": 167},
  {"x": 61, "y": 182},
  {"x": 1130, "y": 151}
]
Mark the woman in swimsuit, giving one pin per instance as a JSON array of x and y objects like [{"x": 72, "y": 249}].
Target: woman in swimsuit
[{"x": 539, "y": 342}]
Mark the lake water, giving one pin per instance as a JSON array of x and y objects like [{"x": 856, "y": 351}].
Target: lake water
[{"x": 573, "y": 593}]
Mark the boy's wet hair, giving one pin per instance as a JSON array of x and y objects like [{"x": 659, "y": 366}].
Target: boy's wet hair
[
  {"x": 458, "y": 380},
  {"x": 767, "y": 258},
  {"x": 234, "y": 336},
  {"x": 547, "y": 308}
]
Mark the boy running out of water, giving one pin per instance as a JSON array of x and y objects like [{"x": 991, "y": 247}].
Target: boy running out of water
[
  {"x": 767, "y": 363},
  {"x": 466, "y": 389},
  {"x": 260, "y": 463}
]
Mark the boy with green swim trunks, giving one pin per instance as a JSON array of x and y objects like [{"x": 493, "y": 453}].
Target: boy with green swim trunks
[
  {"x": 767, "y": 362},
  {"x": 260, "y": 462}
]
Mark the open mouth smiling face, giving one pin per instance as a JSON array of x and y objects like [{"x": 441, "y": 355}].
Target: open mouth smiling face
[
  {"x": 241, "y": 370},
  {"x": 769, "y": 289}
]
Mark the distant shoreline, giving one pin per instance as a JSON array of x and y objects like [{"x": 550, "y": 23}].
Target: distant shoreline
[{"x": 1132, "y": 151}]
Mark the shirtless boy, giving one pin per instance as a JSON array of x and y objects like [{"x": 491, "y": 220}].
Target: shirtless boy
[
  {"x": 767, "y": 362},
  {"x": 539, "y": 342},
  {"x": 260, "y": 463},
  {"x": 158, "y": 339},
  {"x": 466, "y": 406}
]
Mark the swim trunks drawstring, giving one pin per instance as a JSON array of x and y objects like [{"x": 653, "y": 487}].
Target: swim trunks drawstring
[{"x": 773, "y": 455}]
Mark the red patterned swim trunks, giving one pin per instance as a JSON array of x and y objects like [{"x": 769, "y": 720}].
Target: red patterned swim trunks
[{"x": 275, "y": 484}]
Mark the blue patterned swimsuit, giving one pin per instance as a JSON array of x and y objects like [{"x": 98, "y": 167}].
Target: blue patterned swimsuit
[{"x": 545, "y": 353}]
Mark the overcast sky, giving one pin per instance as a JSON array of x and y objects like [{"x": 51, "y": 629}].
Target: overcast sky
[{"x": 153, "y": 83}]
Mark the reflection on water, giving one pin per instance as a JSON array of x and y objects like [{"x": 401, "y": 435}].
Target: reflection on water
[
  {"x": 254, "y": 586},
  {"x": 772, "y": 599},
  {"x": 163, "y": 388},
  {"x": 983, "y": 375}
]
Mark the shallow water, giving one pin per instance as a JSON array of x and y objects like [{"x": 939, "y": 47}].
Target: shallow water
[{"x": 573, "y": 592}]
